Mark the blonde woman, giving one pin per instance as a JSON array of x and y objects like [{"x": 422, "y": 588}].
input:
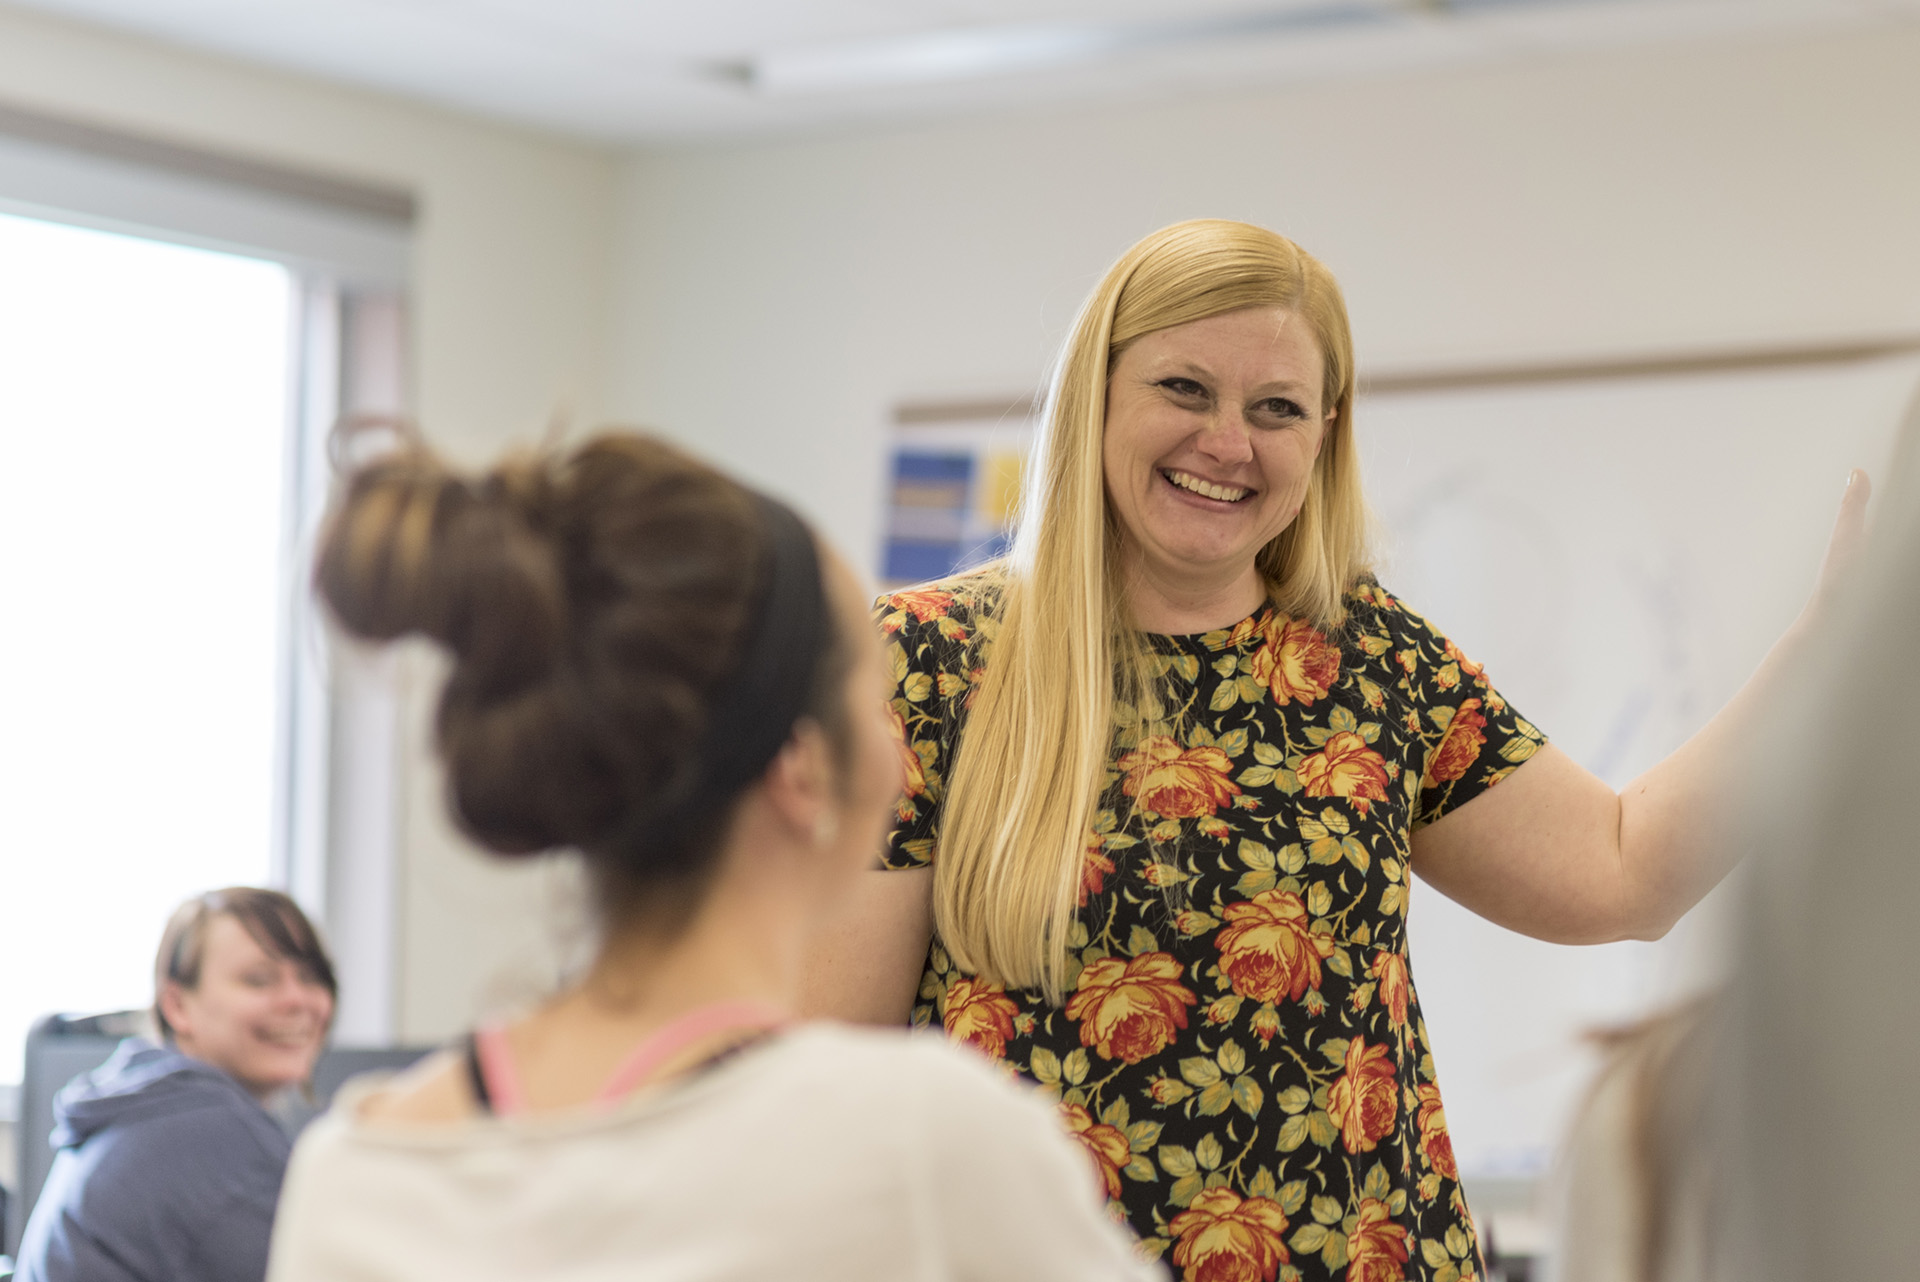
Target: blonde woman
[{"x": 1170, "y": 767}]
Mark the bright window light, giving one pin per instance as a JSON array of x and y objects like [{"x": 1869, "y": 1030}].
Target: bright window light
[{"x": 144, "y": 400}]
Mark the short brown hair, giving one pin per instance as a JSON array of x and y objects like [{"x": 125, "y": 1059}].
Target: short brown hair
[{"x": 273, "y": 920}]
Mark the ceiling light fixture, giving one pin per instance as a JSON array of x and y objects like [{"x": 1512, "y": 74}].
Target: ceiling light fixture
[{"x": 975, "y": 53}]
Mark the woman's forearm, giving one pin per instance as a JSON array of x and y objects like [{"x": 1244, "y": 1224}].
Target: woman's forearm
[
  {"x": 1678, "y": 820},
  {"x": 1555, "y": 853},
  {"x": 864, "y": 967}
]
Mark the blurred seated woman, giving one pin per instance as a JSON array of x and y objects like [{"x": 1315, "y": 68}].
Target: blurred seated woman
[
  {"x": 660, "y": 669},
  {"x": 1637, "y": 1174},
  {"x": 169, "y": 1163},
  {"x": 1771, "y": 1135}
]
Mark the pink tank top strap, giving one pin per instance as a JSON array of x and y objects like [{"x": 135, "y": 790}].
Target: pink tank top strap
[
  {"x": 701, "y": 1022},
  {"x": 504, "y": 1090}
]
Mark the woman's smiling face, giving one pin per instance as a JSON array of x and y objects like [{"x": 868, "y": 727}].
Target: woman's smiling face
[
  {"x": 261, "y": 1018},
  {"x": 1211, "y": 435}
]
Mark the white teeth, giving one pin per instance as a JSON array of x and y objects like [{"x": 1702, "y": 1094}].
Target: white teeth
[{"x": 1188, "y": 481}]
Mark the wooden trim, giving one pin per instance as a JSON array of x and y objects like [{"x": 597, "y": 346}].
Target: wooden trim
[
  {"x": 390, "y": 203},
  {"x": 1410, "y": 381},
  {"x": 921, "y": 413},
  {"x": 1603, "y": 369}
]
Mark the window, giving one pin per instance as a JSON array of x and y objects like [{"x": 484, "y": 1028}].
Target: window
[
  {"x": 144, "y": 390},
  {"x": 178, "y": 332}
]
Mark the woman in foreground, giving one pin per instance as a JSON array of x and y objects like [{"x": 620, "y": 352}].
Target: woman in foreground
[{"x": 660, "y": 669}]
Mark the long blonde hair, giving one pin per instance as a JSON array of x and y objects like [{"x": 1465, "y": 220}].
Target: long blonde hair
[{"x": 1020, "y": 802}]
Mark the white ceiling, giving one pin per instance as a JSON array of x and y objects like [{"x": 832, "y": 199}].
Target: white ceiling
[{"x": 659, "y": 70}]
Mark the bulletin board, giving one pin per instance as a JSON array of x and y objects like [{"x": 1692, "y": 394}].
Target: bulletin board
[{"x": 954, "y": 479}]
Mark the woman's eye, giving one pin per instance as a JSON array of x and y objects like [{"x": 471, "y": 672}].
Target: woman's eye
[
  {"x": 1185, "y": 388},
  {"x": 1281, "y": 407}
]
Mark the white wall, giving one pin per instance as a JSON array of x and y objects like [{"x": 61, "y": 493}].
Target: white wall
[
  {"x": 777, "y": 299},
  {"x": 508, "y": 321}
]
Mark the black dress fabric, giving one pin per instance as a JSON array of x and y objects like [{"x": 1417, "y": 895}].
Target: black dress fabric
[{"x": 1241, "y": 1051}]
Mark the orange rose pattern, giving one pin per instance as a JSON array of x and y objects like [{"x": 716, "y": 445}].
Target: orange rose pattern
[
  {"x": 1094, "y": 871},
  {"x": 1346, "y": 767},
  {"x": 1267, "y": 952},
  {"x": 1224, "y": 1237},
  {"x": 1461, "y": 747},
  {"x": 1107, "y": 1145},
  {"x": 1434, "y": 1140},
  {"x": 1241, "y": 1053},
  {"x": 1296, "y": 663},
  {"x": 1128, "y": 1010},
  {"x": 1377, "y": 1246},
  {"x": 1365, "y": 1100},
  {"x": 1176, "y": 783},
  {"x": 1389, "y": 971},
  {"x": 912, "y": 770},
  {"x": 981, "y": 1015}
]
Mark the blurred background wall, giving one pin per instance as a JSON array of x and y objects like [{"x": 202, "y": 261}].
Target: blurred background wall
[{"x": 775, "y": 301}]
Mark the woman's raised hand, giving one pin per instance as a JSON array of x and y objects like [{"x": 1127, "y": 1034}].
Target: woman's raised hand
[{"x": 1844, "y": 545}]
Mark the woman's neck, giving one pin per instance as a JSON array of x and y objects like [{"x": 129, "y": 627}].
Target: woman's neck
[
  {"x": 729, "y": 951},
  {"x": 742, "y": 943},
  {"x": 1174, "y": 604}
]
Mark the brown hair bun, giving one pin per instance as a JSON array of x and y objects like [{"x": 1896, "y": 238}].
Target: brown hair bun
[{"x": 593, "y": 602}]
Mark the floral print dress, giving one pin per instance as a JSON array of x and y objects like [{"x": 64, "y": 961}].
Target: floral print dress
[{"x": 1242, "y": 1052}]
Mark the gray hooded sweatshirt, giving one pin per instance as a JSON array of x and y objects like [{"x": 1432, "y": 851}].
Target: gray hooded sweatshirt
[{"x": 167, "y": 1171}]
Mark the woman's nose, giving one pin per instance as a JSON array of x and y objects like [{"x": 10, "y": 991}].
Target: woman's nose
[
  {"x": 1227, "y": 439},
  {"x": 292, "y": 990}
]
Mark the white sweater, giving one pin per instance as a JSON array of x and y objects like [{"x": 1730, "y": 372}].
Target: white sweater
[{"x": 826, "y": 1153}]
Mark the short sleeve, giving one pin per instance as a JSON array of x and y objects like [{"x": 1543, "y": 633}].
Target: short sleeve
[
  {"x": 933, "y": 645},
  {"x": 1470, "y": 737}
]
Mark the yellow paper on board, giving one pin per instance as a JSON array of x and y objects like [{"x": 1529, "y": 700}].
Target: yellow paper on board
[{"x": 1000, "y": 487}]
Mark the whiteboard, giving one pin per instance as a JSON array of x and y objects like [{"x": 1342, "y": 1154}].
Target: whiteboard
[{"x": 1620, "y": 554}]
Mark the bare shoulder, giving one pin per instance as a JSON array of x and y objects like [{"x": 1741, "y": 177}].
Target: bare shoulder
[{"x": 433, "y": 1091}]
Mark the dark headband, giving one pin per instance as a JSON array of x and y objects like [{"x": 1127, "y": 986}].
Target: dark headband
[
  {"x": 786, "y": 635},
  {"x": 788, "y": 632}
]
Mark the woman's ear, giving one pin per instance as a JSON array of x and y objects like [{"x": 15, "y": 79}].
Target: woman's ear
[
  {"x": 172, "y": 1003},
  {"x": 799, "y": 785}
]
